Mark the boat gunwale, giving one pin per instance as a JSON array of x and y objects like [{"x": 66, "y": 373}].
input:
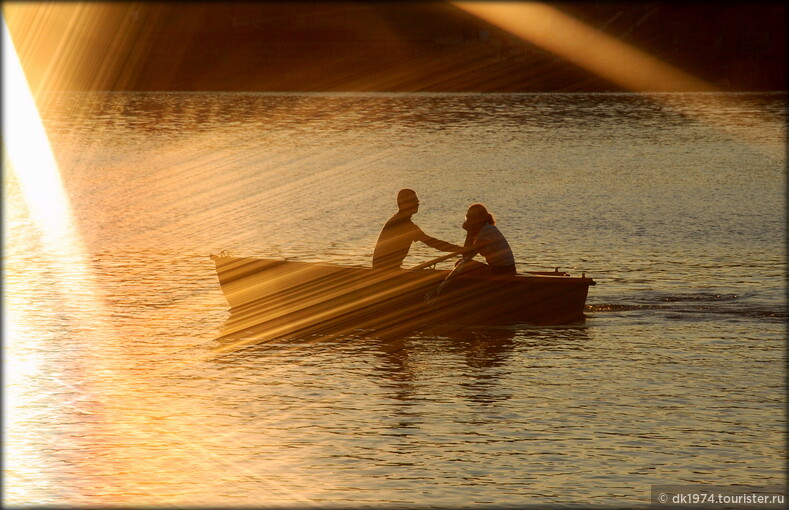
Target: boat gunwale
[{"x": 542, "y": 276}]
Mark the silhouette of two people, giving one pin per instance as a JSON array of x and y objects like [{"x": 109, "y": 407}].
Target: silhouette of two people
[{"x": 483, "y": 237}]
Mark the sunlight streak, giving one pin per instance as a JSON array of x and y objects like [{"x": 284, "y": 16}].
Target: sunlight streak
[
  {"x": 608, "y": 57},
  {"x": 27, "y": 149},
  {"x": 581, "y": 44},
  {"x": 30, "y": 162},
  {"x": 79, "y": 319}
]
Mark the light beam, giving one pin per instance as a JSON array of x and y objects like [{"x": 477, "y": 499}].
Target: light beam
[
  {"x": 591, "y": 49},
  {"x": 28, "y": 153}
]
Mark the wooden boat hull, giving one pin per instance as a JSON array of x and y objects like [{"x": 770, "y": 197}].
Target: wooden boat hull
[{"x": 280, "y": 297}]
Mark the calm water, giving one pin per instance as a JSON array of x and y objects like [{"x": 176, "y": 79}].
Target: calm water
[{"x": 673, "y": 203}]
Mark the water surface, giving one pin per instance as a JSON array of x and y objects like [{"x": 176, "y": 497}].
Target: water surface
[{"x": 673, "y": 203}]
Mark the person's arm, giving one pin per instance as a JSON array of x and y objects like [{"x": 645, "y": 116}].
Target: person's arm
[
  {"x": 474, "y": 244},
  {"x": 438, "y": 244},
  {"x": 470, "y": 237},
  {"x": 469, "y": 250}
]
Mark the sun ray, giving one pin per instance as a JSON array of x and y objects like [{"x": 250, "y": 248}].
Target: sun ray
[
  {"x": 28, "y": 151},
  {"x": 622, "y": 64},
  {"x": 29, "y": 161},
  {"x": 569, "y": 38}
]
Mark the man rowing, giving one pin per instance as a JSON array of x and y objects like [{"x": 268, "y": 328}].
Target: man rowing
[{"x": 400, "y": 232}]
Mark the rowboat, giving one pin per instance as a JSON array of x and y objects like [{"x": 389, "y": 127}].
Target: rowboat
[{"x": 281, "y": 298}]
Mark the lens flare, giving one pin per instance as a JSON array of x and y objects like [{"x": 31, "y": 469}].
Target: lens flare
[{"x": 27, "y": 151}]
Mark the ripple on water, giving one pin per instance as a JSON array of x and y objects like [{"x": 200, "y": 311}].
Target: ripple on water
[{"x": 677, "y": 375}]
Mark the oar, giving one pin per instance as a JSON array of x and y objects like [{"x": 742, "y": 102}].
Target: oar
[
  {"x": 436, "y": 260},
  {"x": 431, "y": 297}
]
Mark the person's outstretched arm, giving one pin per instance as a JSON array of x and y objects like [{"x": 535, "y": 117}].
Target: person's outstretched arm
[{"x": 438, "y": 244}]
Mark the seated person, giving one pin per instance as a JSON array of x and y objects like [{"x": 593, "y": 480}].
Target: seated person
[
  {"x": 484, "y": 237},
  {"x": 400, "y": 232}
]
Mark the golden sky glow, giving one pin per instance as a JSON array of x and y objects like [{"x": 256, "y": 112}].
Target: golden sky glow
[{"x": 74, "y": 45}]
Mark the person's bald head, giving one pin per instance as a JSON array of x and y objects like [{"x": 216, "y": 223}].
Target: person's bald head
[{"x": 407, "y": 201}]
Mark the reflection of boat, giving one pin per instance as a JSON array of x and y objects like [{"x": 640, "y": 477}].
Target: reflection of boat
[{"x": 279, "y": 298}]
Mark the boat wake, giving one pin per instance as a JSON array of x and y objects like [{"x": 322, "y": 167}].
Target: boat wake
[{"x": 688, "y": 305}]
